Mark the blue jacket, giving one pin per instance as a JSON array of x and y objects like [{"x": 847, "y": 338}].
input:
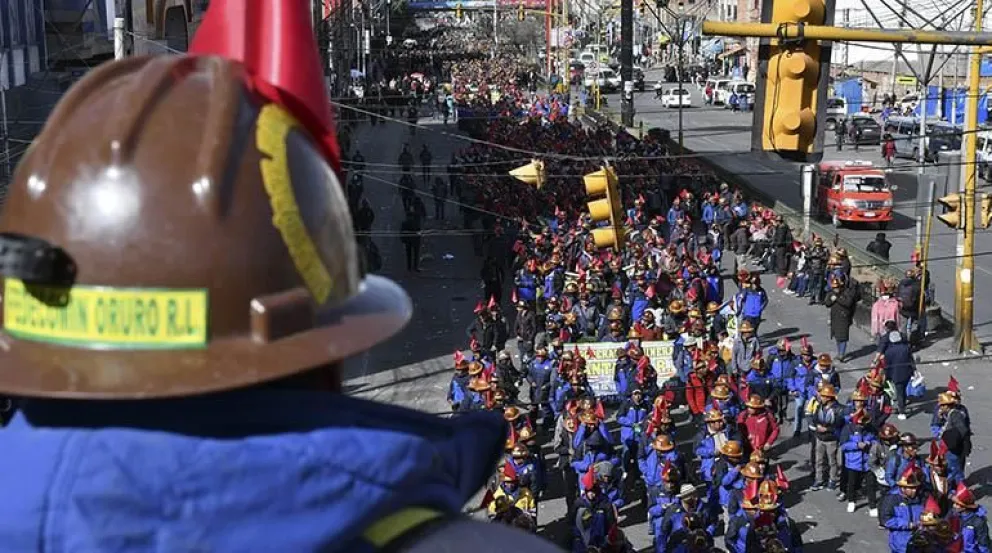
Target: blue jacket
[
  {"x": 708, "y": 213},
  {"x": 705, "y": 450},
  {"x": 540, "y": 372},
  {"x": 814, "y": 377},
  {"x": 751, "y": 303},
  {"x": 458, "y": 388},
  {"x": 526, "y": 286},
  {"x": 623, "y": 374},
  {"x": 975, "y": 531},
  {"x": 249, "y": 471},
  {"x": 652, "y": 465},
  {"x": 897, "y": 515},
  {"x": 896, "y": 464},
  {"x": 796, "y": 380},
  {"x": 856, "y": 458},
  {"x": 631, "y": 418}
]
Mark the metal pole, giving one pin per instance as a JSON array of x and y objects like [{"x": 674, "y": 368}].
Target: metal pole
[
  {"x": 896, "y": 54},
  {"x": 119, "y": 51},
  {"x": 8, "y": 168},
  {"x": 807, "y": 172},
  {"x": 922, "y": 153},
  {"x": 680, "y": 26},
  {"x": 495, "y": 28},
  {"x": 548, "y": 4},
  {"x": 966, "y": 262},
  {"x": 627, "y": 62}
]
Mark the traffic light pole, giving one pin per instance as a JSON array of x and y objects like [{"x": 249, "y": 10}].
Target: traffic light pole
[
  {"x": 627, "y": 62},
  {"x": 966, "y": 260}
]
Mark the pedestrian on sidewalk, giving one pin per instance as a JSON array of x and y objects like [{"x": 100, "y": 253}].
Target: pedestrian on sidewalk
[
  {"x": 410, "y": 230},
  {"x": 841, "y": 300},
  {"x": 899, "y": 366},
  {"x": 885, "y": 309},
  {"x": 840, "y": 129}
]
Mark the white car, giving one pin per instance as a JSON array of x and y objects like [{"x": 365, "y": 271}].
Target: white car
[
  {"x": 674, "y": 97},
  {"x": 605, "y": 78}
]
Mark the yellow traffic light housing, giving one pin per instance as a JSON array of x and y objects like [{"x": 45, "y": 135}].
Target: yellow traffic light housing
[
  {"x": 609, "y": 208},
  {"x": 985, "y": 213},
  {"x": 520, "y": 12},
  {"x": 790, "y": 100},
  {"x": 532, "y": 173},
  {"x": 952, "y": 216},
  {"x": 458, "y": 10}
]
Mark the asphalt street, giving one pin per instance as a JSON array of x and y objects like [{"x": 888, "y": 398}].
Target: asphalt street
[
  {"x": 414, "y": 368},
  {"x": 715, "y": 132}
]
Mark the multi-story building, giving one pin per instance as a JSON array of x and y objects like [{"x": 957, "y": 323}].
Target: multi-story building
[{"x": 22, "y": 41}]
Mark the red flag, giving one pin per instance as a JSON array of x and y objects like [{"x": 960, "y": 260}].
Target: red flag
[
  {"x": 274, "y": 40},
  {"x": 478, "y": 307},
  {"x": 600, "y": 412},
  {"x": 492, "y": 302},
  {"x": 487, "y": 499},
  {"x": 780, "y": 478},
  {"x": 952, "y": 385},
  {"x": 513, "y": 295},
  {"x": 751, "y": 490},
  {"x": 590, "y": 353},
  {"x": 459, "y": 356}
]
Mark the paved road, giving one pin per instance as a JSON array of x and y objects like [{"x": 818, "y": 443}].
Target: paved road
[
  {"x": 414, "y": 369},
  {"x": 718, "y": 132}
]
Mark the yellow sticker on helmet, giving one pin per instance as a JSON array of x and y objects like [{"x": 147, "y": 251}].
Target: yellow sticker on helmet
[
  {"x": 274, "y": 125},
  {"x": 100, "y": 317}
]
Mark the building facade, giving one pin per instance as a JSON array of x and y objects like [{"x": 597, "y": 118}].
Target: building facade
[{"x": 22, "y": 41}]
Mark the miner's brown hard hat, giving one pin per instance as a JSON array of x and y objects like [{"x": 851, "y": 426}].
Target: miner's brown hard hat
[{"x": 170, "y": 233}]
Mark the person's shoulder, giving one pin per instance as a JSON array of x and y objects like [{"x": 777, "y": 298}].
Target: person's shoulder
[{"x": 480, "y": 537}]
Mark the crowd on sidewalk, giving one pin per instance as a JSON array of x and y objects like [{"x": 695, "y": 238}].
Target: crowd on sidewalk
[{"x": 679, "y": 341}]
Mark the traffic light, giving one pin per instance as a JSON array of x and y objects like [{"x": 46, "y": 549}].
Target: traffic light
[
  {"x": 642, "y": 6},
  {"x": 458, "y": 10},
  {"x": 520, "y": 12},
  {"x": 985, "y": 215},
  {"x": 609, "y": 208},
  {"x": 795, "y": 89},
  {"x": 952, "y": 214},
  {"x": 532, "y": 173}
]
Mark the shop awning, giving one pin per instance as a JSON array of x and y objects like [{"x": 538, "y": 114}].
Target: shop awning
[
  {"x": 712, "y": 46},
  {"x": 733, "y": 50}
]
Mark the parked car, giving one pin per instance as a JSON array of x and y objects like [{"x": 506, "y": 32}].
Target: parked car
[
  {"x": 740, "y": 88},
  {"x": 674, "y": 97},
  {"x": 606, "y": 79},
  {"x": 836, "y": 111},
  {"x": 863, "y": 129}
]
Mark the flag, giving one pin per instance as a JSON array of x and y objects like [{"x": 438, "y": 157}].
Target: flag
[
  {"x": 274, "y": 41},
  {"x": 953, "y": 386}
]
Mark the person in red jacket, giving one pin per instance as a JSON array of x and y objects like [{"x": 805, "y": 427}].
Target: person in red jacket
[
  {"x": 757, "y": 425},
  {"x": 700, "y": 382}
]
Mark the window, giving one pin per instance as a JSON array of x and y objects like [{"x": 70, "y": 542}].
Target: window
[{"x": 859, "y": 183}]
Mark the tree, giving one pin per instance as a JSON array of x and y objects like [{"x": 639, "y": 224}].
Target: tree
[{"x": 523, "y": 37}]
